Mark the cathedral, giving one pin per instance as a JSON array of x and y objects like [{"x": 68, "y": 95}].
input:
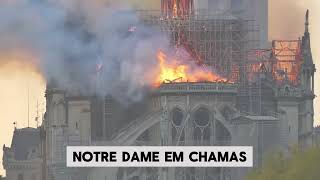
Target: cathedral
[{"x": 267, "y": 104}]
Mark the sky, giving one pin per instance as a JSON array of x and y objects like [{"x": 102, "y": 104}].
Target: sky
[{"x": 17, "y": 78}]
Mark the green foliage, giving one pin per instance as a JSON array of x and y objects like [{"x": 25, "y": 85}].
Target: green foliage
[{"x": 299, "y": 166}]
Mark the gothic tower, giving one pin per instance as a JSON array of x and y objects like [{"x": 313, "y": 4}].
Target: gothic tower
[
  {"x": 307, "y": 84},
  {"x": 54, "y": 125}
]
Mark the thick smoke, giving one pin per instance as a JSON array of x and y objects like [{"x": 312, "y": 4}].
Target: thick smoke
[{"x": 71, "y": 38}]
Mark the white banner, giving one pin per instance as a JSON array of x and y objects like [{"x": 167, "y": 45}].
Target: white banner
[{"x": 159, "y": 156}]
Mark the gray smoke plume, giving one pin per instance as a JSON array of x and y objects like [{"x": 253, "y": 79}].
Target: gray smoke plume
[{"x": 71, "y": 38}]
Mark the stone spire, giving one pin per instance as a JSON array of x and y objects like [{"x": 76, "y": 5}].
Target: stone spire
[
  {"x": 308, "y": 67},
  {"x": 307, "y": 23},
  {"x": 306, "y": 47}
]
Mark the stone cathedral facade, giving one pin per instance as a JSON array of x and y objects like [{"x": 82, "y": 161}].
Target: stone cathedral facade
[{"x": 177, "y": 114}]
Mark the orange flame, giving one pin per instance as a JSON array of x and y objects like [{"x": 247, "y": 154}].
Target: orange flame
[
  {"x": 173, "y": 70},
  {"x": 175, "y": 9}
]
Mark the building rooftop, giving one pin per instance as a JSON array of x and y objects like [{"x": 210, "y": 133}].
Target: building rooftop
[{"x": 23, "y": 140}]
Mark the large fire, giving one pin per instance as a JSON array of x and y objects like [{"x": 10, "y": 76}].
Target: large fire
[{"x": 174, "y": 70}]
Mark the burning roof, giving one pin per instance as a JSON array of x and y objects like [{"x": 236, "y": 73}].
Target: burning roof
[{"x": 179, "y": 70}]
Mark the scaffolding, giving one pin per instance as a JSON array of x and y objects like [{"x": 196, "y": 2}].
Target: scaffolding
[
  {"x": 216, "y": 40},
  {"x": 177, "y": 8},
  {"x": 220, "y": 41},
  {"x": 257, "y": 67},
  {"x": 287, "y": 61},
  {"x": 279, "y": 65},
  {"x": 227, "y": 45}
]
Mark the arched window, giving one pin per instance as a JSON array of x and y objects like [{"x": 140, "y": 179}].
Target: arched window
[
  {"x": 177, "y": 117},
  {"x": 177, "y": 125},
  {"x": 202, "y": 124},
  {"x": 61, "y": 113},
  {"x": 77, "y": 126},
  {"x": 202, "y": 117}
]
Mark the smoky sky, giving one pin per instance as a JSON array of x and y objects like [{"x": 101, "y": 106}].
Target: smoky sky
[{"x": 69, "y": 39}]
